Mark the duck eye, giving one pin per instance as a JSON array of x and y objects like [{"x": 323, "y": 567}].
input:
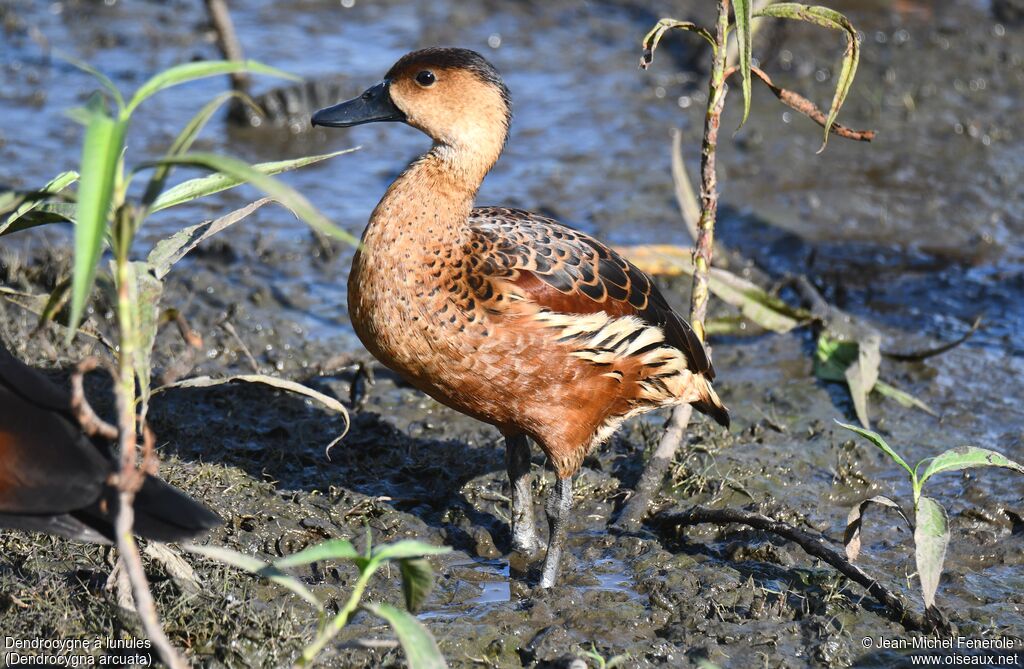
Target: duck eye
[{"x": 425, "y": 78}]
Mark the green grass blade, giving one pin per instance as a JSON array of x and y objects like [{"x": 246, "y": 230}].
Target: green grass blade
[
  {"x": 335, "y": 549},
  {"x": 183, "y": 142},
  {"x": 45, "y": 213},
  {"x": 967, "y": 457},
  {"x": 193, "y": 189},
  {"x": 653, "y": 38},
  {"x": 36, "y": 199},
  {"x": 233, "y": 172},
  {"x": 828, "y": 18},
  {"x": 877, "y": 440},
  {"x": 257, "y": 567},
  {"x": 104, "y": 80},
  {"x": 903, "y": 397},
  {"x": 421, "y": 651},
  {"x": 931, "y": 538},
  {"x": 742, "y": 10},
  {"x": 101, "y": 153},
  {"x": 187, "y": 72}
]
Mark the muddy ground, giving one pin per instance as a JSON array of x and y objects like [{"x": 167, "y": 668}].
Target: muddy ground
[{"x": 918, "y": 233}]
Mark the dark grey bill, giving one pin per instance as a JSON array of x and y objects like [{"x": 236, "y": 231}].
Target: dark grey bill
[{"x": 373, "y": 105}]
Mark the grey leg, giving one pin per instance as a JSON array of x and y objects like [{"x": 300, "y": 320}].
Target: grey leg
[
  {"x": 558, "y": 505},
  {"x": 517, "y": 462}
]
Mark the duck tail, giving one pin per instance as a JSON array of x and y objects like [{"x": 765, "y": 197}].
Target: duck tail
[{"x": 709, "y": 403}]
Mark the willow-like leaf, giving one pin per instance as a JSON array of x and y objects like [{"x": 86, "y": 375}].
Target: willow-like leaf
[
  {"x": 653, "y": 38},
  {"x": 931, "y": 538},
  {"x": 745, "y": 43},
  {"x": 829, "y": 18}
]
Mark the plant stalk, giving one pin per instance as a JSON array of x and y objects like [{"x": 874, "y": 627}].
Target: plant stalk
[
  {"x": 654, "y": 473},
  {"x": 130, "y": 478},
  {"x": 339, "y": 621}
]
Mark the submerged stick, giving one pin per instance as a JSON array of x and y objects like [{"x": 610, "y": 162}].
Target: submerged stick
[{"x": 812, "y": 545}]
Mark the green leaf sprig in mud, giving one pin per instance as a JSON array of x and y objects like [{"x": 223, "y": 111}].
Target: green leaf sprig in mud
[
  {"x": 421, "y": 651},
  {"x": 930, "y": 525}
]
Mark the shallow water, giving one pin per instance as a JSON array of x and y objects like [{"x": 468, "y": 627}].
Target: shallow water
[{"x": 917, "y": 232}]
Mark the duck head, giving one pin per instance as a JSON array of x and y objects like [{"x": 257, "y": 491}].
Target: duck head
[{"x": 453, "y": 95}]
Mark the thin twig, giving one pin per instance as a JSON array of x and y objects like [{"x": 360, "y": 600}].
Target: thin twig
[
  {"x": 230, "y": 329},
  {"x": 814, "y": 546},
  {"x": 91, "y": 424},
  {"x": 799, "y": 103},
  {"x": 654, "y": 472}
]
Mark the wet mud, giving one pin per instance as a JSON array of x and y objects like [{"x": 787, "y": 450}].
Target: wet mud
[{"x": 918, "y": 233}]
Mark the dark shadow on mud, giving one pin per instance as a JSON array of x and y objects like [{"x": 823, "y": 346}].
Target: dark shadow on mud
[{"x": 282, "y": 440}]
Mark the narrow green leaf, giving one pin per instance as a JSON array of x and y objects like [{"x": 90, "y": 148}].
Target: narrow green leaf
[
  {"x": 35, "y": 199},
  {"x": 335, "y": 549},
  {"x": 931, "y": 537},
  {"x": 421, "y": 651},
  {"x": 742, "y": 10},
  {"x": 967, "y": 457},
  {"x": 99, "y": 76},
  {"x": 854, "y": 520},
  {"x": 406, "y": 548},
  {"x": 653, "y": 37},
  {"x": 101, "y": 153},
  {"x": 257, "y": 567},
  {"x": 417, "y": 581},
  {"x": 877, "y": 440},
  {"x": 186, "y": 72},
  {"x": 43, "y": 214},
  {"x": 144, "y": 290},
  {"x": 183, "y": 142},
  {"x": 829, "y": 18},
  {"x": 233, "y": 172},
  {"x": 169, "y": 251},
  {"x": 903, "y": 397}
]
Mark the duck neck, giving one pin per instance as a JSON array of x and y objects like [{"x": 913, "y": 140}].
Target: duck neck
[{"x": 429, "y": 204}]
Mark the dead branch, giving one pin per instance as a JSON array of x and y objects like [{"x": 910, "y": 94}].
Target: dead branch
[{"x": 812, "y": 545}]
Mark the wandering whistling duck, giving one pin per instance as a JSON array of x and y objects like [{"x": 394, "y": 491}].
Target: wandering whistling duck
[
  {"x": 54, "y": 478},
  {"x": 502, "y": 314}
]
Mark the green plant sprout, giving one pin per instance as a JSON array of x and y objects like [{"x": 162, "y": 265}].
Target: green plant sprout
[
  {"x": 421, "y": 651},
  {"x": 104, "y": 214},
  {"x": 930, "y": 526}
]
